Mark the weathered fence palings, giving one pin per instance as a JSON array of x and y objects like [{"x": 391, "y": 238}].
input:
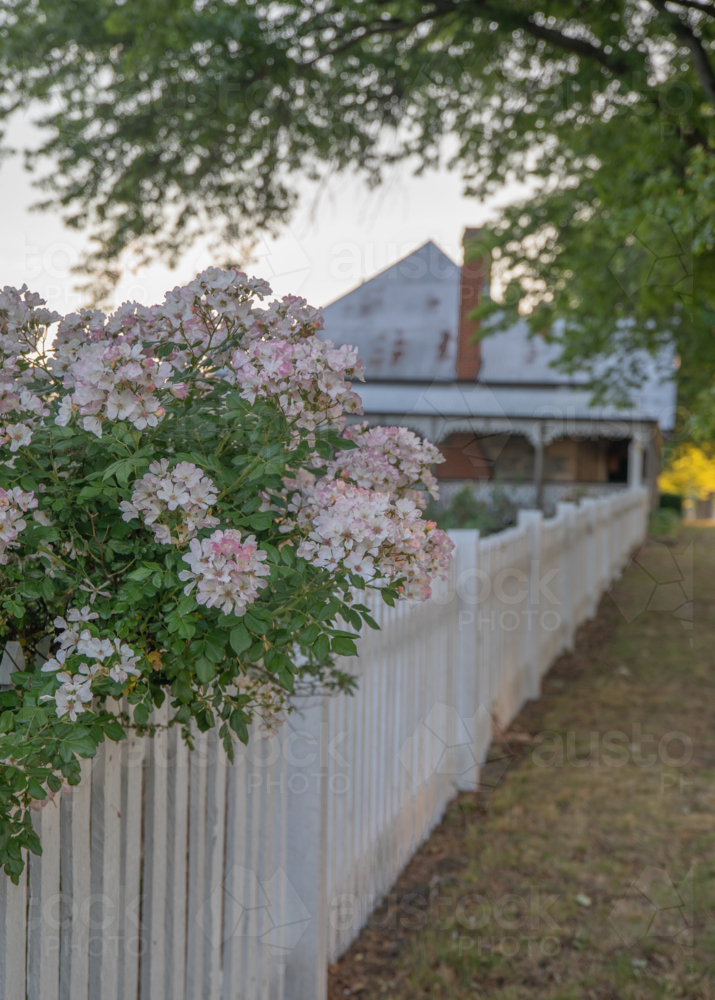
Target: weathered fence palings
[{"x": 169, "y": 875}]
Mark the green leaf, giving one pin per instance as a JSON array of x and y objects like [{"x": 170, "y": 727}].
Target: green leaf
[
  {"x": 352, "y": 617},
  {"x": 255, "y": 624},
  {"x": 369, "y": 620},
  {"x": 273, "y": 553},
  {"x": 186, "y": 630},
  {"x": 213, "y": 652},
  {"x": 32, "y": 715},
  {"x": 261, "y": 522},
  {"x": 35, "y": 789},
  {"x": 113, "y": 468},
  {"x": 323, "y": 449},
  {"x": 321, "y": 647},
  {"x": 308, "y": 637},
  {"x": 341, "y": 442},
  {"x": 205, "y": 670},
  {"x": 343, "y": 646},
  {"x": 273, "y": 659},
  {"x": 329, "y": 611},
  {"x": 257, "y": 473},
  {"x": 237, "y": 722},
  {"x": 240, "y": 639},
  {"x": 83, "y": 746},
  {"x": 256, "y": 652},
  {"x": 282, "y": 637},
  {"x": 114, "y": 730},
  {"x": 7, "y": 722},
  {"x": 141, "y": 714},
  {"x": 143, "y": 573},
  {"x": 286, "y": 678}
]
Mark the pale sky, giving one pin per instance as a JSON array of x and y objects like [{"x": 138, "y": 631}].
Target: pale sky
[{"x": 321, "y": 254}]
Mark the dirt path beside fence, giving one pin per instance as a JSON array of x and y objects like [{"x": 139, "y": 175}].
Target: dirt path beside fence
[{"x": 589, "y": 870}]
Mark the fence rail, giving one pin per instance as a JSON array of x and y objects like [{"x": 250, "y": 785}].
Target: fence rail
[{"x": 169, "y": 875}]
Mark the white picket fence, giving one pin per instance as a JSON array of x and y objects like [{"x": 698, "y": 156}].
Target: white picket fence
[{"x": 169, "y": 875}]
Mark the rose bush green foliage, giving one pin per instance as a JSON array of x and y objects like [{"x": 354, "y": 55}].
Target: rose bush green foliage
[{"x": 184, "y": 515}]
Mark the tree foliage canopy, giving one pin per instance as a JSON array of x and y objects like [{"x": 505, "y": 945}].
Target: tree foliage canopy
[{"x": 171, "y": 117}]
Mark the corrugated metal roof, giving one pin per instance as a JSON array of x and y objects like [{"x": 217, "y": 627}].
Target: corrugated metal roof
[
  {"x": 403, "y": 321},
  {"x": 466, "y": 400},
  {"x": 514, "y": 356}
]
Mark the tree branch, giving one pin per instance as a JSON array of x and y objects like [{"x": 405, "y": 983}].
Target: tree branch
[
  {"x": 581, "y": 47},
  {"x": 375, "y": 28},
  {"x": 706, "y": 8},
  {"x": 578, "y": 46},
  {"x": 701, "y": 63}
]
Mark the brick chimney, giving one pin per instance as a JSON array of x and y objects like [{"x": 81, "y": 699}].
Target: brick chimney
[{"x": 473, "y": 279}]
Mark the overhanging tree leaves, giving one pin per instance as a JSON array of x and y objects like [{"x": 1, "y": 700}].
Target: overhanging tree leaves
[{"x": 171, "y": 117}]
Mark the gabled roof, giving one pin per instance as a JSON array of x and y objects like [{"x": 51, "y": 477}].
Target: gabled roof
[{"x": 404, "y": 321}]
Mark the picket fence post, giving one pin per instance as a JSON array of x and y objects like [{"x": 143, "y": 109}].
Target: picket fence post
[
  {"x": 591, "y": 567},
  {"x": 532, "y": 521},
  {"x": 569, "y": 554},
  {"x": 468, "y": 694},
  {"x": 306, "y": 856}
]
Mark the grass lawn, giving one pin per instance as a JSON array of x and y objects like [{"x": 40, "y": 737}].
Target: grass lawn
[{"x": 589, "y": 870}]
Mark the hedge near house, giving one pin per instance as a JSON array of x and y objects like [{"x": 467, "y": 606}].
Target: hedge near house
[{"x": 184, "y": 515}]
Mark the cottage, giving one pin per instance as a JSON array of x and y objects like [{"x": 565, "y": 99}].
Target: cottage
[{"x": 497, "y": 408}]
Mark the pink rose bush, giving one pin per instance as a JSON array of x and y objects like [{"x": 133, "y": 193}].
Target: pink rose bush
[
  {"x": 183, "y": 491},
  {"x": 91, "y": 657},
  {"x": 389, "y": 460},
  {"x": 381, "y": 539},
  {"x": 227, "y": 569},
  {"x": 186, "y": 514},
  {"x": 14, "y": 504}
]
